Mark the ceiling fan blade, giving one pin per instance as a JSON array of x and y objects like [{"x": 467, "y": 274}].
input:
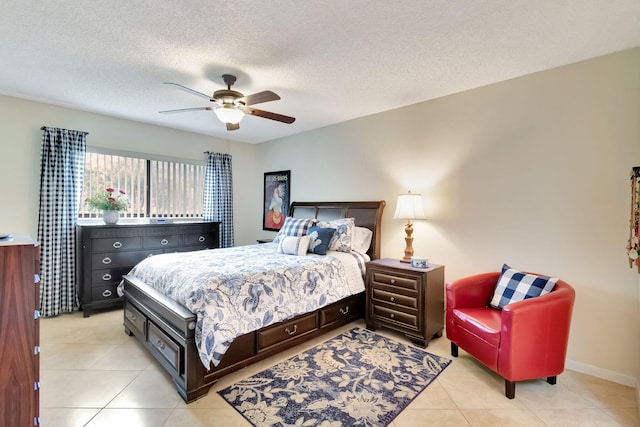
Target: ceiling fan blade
[
  {"x": 269, "y": 115},
  {"x": 233, "y": 126},
  {"x": 186, "y": 89},
  {"x": 259, "y": 97},
  {"x": 184, "y": 110}
]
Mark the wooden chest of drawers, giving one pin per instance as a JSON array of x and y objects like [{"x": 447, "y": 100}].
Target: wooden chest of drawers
[
  {"x": 409, "y": 300},
  {"x": 19, "y": 331},
  {"x": 106, "y": 252}
]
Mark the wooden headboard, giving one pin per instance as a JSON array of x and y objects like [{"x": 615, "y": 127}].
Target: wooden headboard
[{"x": 366, "y": 214}]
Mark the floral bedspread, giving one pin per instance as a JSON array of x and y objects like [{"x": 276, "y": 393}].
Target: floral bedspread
[{"x": 237, "y": 290}]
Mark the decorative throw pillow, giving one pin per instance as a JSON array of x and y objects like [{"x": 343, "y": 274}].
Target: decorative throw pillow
[
  {"x": 294, "y": 227},
  {"x": 341, "y": 240},
  {"x": 516, "y": 286},
  {"x": 361, "y": 239},
  {"x": 319, "y": 239},
  {"x": 291, "y": 245}
]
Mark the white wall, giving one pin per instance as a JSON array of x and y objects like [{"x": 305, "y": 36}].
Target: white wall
[
  {"x": 533, "y": 172},
  {"x": 21, "y": 139}
]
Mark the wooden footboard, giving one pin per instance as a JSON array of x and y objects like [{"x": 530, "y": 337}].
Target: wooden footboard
[{"x": 166, "y": 329}]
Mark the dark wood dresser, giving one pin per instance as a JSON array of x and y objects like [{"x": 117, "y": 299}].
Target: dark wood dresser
[
  {"x": 409, "y": 300},
  {"x": 19, "y": 331},
  {"x": 107, "y": 252}
]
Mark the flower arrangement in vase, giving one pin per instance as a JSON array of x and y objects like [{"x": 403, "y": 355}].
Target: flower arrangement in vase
[{"x": 109, "y": 203}]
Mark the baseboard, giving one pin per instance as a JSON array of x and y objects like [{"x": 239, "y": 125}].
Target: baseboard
[{"x": 605, "y": 374}]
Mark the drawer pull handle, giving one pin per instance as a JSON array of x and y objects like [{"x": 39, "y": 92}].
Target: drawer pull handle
[
  {"x": 290, "y": 332},
  {"x": 106, "y": 260},
  {"x": 133, "y": 317},
  {"x": 117, "y": 245},
  {"x": 391, "y": 315},
  {"x": 201, "y": 239},
  {"x": 106, "y": 293},
  {"x": 106, "y": 276},
  {"x": 164, "y": 242},
  {"x": 392, "y": 299},
  {"x": 160, "y": 345},
  {"x": 393, "y": 281},
  {"x": 345, "y": 310}
]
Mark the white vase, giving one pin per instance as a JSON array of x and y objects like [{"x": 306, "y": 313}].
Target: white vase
[{"x": 110, "y": 217}]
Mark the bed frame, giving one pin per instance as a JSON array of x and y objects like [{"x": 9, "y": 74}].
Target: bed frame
[{"x": 166, "y": 328}]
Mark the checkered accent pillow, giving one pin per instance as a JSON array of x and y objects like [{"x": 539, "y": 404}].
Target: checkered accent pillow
[
  {"x": 295, "y": 227},
  {"x": 516, "y": 286}
]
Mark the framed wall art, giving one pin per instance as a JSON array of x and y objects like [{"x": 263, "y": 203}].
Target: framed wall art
[{"x": 277, "y": 187}]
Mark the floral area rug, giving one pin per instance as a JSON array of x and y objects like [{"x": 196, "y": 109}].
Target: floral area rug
[{"x": 358, "y": 378}]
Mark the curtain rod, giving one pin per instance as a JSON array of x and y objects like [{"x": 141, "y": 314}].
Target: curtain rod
[{"x": 49, "y": 127}]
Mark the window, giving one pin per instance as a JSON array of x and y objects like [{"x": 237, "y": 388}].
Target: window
[{"x": 154, "y": 187}]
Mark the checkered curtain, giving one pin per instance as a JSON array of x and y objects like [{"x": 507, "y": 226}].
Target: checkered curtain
[
  {"x": 218, "y": 195},
  {"x": 61, "y": 172}
]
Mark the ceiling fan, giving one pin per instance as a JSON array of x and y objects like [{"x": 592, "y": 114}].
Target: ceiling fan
[{"x": 230, "y": 106}]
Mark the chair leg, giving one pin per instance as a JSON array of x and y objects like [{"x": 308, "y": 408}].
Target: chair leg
[
  {"x": 454, "y": 350},
  {"x": 510, "y": 389},
  {"x": 552, "y": 380}
]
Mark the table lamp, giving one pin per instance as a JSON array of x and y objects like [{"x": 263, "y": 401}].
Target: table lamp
[{"x": 409, "y": 207}]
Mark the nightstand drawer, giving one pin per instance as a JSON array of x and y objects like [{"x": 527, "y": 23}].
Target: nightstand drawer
[
  {"x": 393, "y": 280},
  {"x": 381, "y": 295},
  {"x": 396, "y": 316}
]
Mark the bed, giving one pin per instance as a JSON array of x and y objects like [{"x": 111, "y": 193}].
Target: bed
[{"x": 167, "y": 329}]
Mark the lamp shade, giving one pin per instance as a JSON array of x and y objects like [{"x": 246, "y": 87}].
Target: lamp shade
[
  {"x": 409, "y": 207},
  {"x": 229, "y": 114}
]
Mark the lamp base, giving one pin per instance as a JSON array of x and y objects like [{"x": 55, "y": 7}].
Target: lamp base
[{"x": 408, "y": 250}]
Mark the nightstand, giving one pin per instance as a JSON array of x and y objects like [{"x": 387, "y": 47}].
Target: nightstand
[{"x": 406, "y": 299}]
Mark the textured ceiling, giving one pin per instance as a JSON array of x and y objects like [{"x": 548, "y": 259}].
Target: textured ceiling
[{"x": 329, "y": 60}]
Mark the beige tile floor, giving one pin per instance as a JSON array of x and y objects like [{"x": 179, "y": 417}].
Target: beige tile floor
[{"x": 93, "y": 375}]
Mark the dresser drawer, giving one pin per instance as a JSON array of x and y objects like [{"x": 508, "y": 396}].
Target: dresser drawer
[
  {"x": 108, "y": 275},
  {"x": 398, "y": 281},
  {"x": 205, "y": 240},
  {"x": 164, "y": 345},
  {"x": 104, "y": 292},
  {"x": 342, "y": 311},
  {"x": 137, "y": 319},
  {"x": 393, "y": 316},
  {"x": 394, "y": 298},
  {"x": 116, "y": 244},
  {"x": 284, "y": 331},
  {"x": 120, "y": 259},
  {"x": 166, "y": 241}
]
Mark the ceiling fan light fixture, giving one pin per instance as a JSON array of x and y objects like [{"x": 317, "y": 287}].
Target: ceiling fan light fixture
[{"x": 229, "y": 114}]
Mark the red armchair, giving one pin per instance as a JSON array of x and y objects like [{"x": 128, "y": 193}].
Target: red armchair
[{"x": 526, "y": 340}]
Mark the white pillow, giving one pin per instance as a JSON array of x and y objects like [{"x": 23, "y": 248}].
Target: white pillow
[
  {"x": 361, "y": 240},
  {"x": 293, "y": 245}
]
